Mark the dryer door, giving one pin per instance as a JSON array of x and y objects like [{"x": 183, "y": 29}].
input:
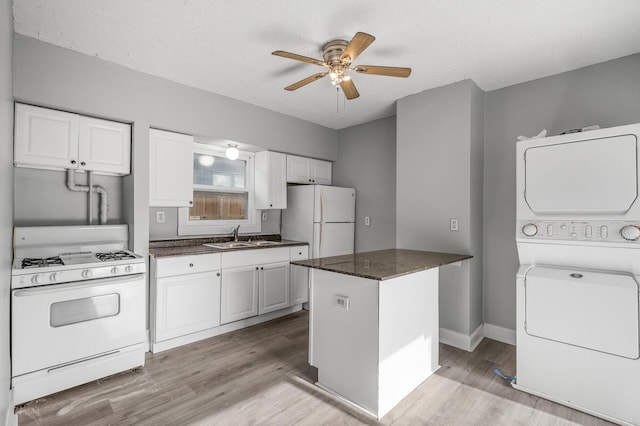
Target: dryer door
[
  {"x": 591, "y": 309},
  {"x": 583, "y": 177}
]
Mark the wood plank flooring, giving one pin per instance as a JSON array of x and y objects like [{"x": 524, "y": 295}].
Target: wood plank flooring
[{"x": 260, "y": 375}]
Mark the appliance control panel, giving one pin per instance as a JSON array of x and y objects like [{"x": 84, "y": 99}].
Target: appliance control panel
[{"x": 586, "y": 231}]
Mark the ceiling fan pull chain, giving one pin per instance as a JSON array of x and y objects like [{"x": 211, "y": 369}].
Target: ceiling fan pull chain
[{"x": 337, "y": 99}]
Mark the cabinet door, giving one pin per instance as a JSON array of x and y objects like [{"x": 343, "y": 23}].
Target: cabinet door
[
  {"x": 104, "y": 146},
  {"x": 45, "y": 137},
  {"x": 271, "y": 180},
  {"x": 239, "y": 293},
  {"x": 187, "y": 304},
  {"x": 297, "y": 169},
  {"x": 170, "y": 169},
  {"x": 274, "y": 287},
  {"x": 320, "y": 172},
  {"x": 299, "y": 276}
]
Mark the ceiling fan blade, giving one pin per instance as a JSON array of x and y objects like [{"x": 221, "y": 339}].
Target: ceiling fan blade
[
  {"x": 388, "y": 71},
  {"x": 299, "y": 58},
  {"x": 356, "y": 46},
  {"x": 306, "y": 81},
  {"x": 349, "y": 89}
]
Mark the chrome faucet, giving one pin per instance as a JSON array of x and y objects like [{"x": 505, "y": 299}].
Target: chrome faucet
[{"x": 235, "y": 233}]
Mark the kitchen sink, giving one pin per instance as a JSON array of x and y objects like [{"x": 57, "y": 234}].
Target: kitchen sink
[
  {"x": 264, "y": 243},
  {"x": 240, "y": 244},
  {"x": 229, "y": 245}
]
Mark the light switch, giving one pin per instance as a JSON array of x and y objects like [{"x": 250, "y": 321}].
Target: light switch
[
  {"x": 367, "y": 221},
  {"x": 453, "y": 225},
  {"x": 264, "y": 216}
]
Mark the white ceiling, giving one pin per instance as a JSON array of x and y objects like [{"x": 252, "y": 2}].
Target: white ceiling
[{"x": 224, "y": 46}]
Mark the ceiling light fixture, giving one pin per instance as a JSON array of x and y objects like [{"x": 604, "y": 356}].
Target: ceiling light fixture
[
  {"x": 206, "y": 160},
  {"x": 232, "y": 151}
]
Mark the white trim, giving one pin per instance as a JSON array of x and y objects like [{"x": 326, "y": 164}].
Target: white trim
[
  {"x": 501, "y": 334},
  {"x": 462, "y": 341},
  {"x": 225, "y": 328}
]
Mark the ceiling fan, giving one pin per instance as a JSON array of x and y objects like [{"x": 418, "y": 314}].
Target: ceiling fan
[{"x": 338, "y": 55}]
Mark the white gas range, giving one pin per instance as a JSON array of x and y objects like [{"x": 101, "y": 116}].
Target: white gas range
[{"x": 78, "y": 307}]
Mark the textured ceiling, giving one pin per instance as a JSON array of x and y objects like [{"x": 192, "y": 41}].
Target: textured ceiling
[{"x": 224, "y": 46}]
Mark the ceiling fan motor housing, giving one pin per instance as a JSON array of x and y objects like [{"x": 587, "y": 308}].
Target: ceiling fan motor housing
[{"x": 332, "y": 50}]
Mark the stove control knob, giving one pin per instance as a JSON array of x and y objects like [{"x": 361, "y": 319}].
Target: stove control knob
[
  {"x": 87, "y": 273},
  {"x": 128, "y": 269},
  {"x": 530, "y": 230},
  {"x": 35, "y": 279},
  {"x": 53, "y": 277},
  {"x": 630, "y": 233},
  {"x": 115, "y": 270}
]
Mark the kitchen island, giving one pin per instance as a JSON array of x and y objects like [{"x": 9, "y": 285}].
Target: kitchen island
[{"x": 373, "y": 332}]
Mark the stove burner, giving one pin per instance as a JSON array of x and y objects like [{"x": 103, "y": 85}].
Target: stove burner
[
  {"x": 41, "y": 262},
  {"x": 114, "y": 255}
]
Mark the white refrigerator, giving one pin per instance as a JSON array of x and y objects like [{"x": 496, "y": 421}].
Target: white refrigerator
[{"x": 323, "y": 216}]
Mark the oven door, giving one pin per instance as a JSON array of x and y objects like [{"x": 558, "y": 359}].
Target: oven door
[{"x": 65, "y": 323}]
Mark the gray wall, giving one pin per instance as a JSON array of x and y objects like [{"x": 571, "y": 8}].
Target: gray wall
[
  {"x": 439, "y": 169},
  {"x": 41, "y": 198},
  {"x": 606, "y": 94},
  {"x": 367, "y": 162},
  {"x": 52, "y": 76},
  {"x": 6, "y": 200}
]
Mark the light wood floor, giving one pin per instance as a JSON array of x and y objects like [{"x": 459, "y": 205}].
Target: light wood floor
[{"x": 260, "y": 375}]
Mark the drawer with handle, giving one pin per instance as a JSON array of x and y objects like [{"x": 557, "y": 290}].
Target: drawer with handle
[{"x": 180, "y": 265}]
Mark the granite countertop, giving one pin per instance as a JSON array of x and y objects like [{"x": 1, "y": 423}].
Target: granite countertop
[
  {"x": 189, "y": 246},
  {"x": 383, "y": 264}
]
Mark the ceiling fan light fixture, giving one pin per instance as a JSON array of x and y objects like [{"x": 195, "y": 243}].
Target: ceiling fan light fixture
[{"x": 232, "y": 152}]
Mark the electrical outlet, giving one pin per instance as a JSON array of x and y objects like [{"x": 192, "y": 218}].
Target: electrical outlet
[
  {"x": 367, "y": 221},
  {"x": 453, "y": 224},
  {"x": 264, "y": 216},
  {"x": 160, "y": 216}
]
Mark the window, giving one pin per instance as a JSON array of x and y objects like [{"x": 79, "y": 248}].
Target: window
[{"x": 222, "y": 194}]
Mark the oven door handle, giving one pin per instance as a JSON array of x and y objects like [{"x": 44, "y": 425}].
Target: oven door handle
[{"x": 49, "y": 289}]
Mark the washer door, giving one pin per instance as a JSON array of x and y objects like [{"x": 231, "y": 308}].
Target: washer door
[{"x": 590, "y": 309}]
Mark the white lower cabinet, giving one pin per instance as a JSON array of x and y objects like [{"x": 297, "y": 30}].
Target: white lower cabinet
[
  {"x": 273, "y": 287},
  {"x": 299, "y": 276},
  {"x": 186, "y": 295},
  {"x": 239, "y": 297},
  {"x": 192, "y": 296}
]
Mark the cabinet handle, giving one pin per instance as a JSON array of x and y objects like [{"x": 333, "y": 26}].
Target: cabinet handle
[
  {"x": 82, "y": 163},
  {"x": 191, "y": 265},
  {"x": 261, "y": 268},
  {"x": 73, "y": 161},
  {"x": 218, "y": 274},
  {"x": 257, "y": 268},
  {"x": 190, "y": 203}
]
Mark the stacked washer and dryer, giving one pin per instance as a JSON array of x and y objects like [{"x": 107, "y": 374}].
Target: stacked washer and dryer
[{"x": 578, "y": 239}]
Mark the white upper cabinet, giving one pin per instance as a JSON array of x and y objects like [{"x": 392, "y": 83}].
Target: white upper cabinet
[
  {"x": 51, "y": 139},
  {"x": 170, "y": 169},
  {"x": 271, "y": 180},
  {"x": 308, "y": 170}
]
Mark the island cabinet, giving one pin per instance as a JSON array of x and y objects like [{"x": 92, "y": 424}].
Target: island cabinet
[
  {"x": 374, "y": 324},
  {"x": 57, "y": 140},
  {"x": 254, "y": 282},
  {"x": 186, "y": 295}
]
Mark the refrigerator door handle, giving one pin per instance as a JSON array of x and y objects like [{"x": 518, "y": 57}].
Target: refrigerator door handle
[{"x": 322, "y": 216}]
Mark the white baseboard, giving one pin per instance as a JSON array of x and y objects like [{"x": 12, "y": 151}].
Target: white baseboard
[
  {"x": 226, "y": 328},
  {"x": 501, "y": 334},
  {"x": 461, "y": 340}
]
